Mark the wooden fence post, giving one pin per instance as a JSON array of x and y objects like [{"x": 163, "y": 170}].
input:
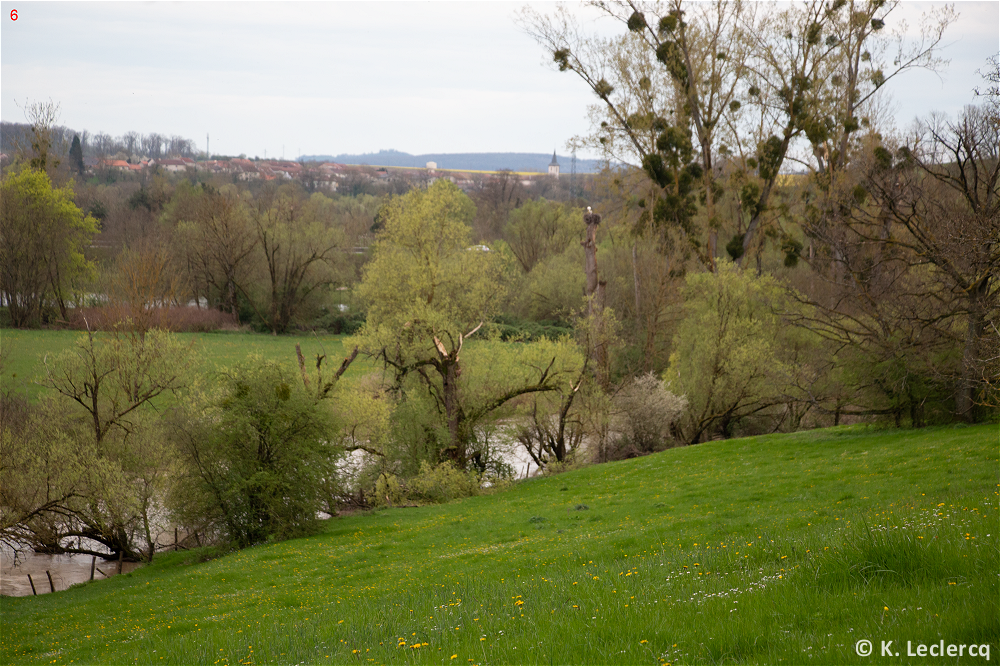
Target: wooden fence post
[{"x": 93, "y": 565}]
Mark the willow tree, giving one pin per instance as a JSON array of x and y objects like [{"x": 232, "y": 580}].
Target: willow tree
[
  {"x": 428, "y": 290},
  {"x": 299, "y": 249},
  {"x": 95, "y": 459}
]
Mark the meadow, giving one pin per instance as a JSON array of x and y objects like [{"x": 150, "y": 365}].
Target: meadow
[
  {"x": 24, "y": 351},
  {"x": 784, "y": 549}
]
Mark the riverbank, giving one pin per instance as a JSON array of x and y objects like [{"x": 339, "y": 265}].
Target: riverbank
[{"x": 65, "y": 570}]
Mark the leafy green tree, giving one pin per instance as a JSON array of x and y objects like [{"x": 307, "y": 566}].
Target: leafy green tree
[
  {"x": 726, "y": 361},
  {"x": 542, "y": 229},
  {"x": 258, "y": 455},
  {"x": 554, "y": 288},
  {"x": 94, "y": 450},
  {"x": 42, "y": 237},
  {"x": 428, "y": 290},
  {"x": 41, "y": 469}
]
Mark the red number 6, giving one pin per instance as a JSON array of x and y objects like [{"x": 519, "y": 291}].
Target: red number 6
[{"x": 13, "y": 15}]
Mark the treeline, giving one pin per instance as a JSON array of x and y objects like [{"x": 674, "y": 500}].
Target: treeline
[
  {"x": 707, "y": 294},
  {"x": 15, "y": 137},
  {"x": 274, "y": 255}
]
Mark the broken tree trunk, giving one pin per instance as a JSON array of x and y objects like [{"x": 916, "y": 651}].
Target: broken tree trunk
[{"x": 595, "y": 297}]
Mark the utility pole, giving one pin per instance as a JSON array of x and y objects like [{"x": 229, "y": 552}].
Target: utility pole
[
  {"x": 208, "y": 148},
  {"x": 572, "y": 178}
]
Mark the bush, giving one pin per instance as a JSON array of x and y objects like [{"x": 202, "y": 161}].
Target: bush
[
  {"x": 258, "y": 456},
  {"x": 183, "y": 319},
  {"x": 518, "y": 330},
  {"x": 648, "y": 412},
  {"x": 388, "y": 491},
  {"x": 443, "y": 483},
  {"x": 339, "y": 323},
  {"x": 432, "y": 485}
]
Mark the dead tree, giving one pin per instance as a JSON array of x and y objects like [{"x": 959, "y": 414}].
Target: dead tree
[{"x": 595, "y": 296}]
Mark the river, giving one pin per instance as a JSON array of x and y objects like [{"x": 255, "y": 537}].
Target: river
[{"x": 66, "y": 570}]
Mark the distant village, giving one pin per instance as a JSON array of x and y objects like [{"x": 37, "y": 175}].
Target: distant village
[
  {"x": 134, "y": 156},
  {"x": 323, "y": 176}
]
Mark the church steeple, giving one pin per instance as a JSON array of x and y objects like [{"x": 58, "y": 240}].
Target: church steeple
[{"x": 554, "y": 166}]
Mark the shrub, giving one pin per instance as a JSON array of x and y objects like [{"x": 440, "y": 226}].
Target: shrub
[
  {"x": 339, "y": 323},
  {"x": 258, "y": 455},
  {"x": 432, "y": 485},
  {"x": 443, "y": 483},
  {"x": 647, "y": 412},
  {"x": 388, "y": 491},
  {"x": 519, "y": 330},
  {"x": 182, "y": 319}
]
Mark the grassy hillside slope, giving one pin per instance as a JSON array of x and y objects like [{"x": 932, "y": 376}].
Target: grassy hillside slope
[{"x": 781, "y": 549}]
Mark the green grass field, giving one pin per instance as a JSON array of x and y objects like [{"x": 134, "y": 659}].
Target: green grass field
[
  {"x": 24, "y": 351},
  {"x": 783, "y": 549}
]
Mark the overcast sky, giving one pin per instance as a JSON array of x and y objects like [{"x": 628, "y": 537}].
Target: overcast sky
[{"x": 346, "y": 77}]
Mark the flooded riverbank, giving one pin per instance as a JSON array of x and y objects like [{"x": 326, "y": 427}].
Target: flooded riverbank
[
  {"x": 65, "y": 570},
  {"x": 70, "y": 569}
]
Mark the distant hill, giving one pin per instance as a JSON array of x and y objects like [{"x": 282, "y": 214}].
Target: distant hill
[{"x": 464, "y": 161}]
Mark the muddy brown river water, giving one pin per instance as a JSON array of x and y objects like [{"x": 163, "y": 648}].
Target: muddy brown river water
[{"x": 66, "y": 570}]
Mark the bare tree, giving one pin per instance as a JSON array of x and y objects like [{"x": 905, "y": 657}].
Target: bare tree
[
  {"x": 298, "y": 254},
  {"x": 111, "y": 383},
  {"x": 152, "y": 145},
  {"x": 131, "y": 142},
  {"x": 916, "y": 242},
  {"x": 178, "y": 146},
  {"x": 104, "y": 144},
  {"x": 499, "y": 195},
  {"x": 42, "y": 117},
  {"x": 214, "y": 242}
]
